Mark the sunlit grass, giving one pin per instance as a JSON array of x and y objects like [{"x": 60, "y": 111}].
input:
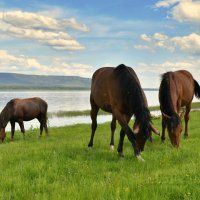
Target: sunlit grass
[{"x": 61, "y": 166}]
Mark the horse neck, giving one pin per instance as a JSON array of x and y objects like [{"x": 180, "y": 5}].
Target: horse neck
[
  {"x": 4, "y": 117},
  {"x": 143, "y": 118}
]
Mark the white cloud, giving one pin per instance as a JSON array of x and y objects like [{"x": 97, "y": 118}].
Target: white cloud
[
  {"x": 187, "y": 11},
  {"x": 156, "y": 69},
  {"x": 160, "y": 37},
  {"x": 182, "y": 10},
  {"x": 140, "y": 46},
  {"x": 166, "y": 3},
  {"x": 42, "y": 28},
  {"x": 145, "y": 37},
  {"x": 22, "y": 64},
  {"x": 189, "y": 43},
  {"x": 155, "y": 41},
  {"x": 36, "y": 20}
]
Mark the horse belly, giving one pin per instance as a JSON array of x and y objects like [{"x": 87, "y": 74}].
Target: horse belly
[
  {"x": 103, "y": 103},
  {"x": 29, "y": 114}
]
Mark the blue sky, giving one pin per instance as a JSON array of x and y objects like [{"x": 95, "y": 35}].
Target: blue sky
[{"x": 77, "y": 37}]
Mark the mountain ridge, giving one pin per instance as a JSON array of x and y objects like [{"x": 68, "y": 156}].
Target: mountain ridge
[{"x": 14, "y": 80}]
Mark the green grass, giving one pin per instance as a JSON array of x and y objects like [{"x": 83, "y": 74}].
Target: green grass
[{"x": 62, "y": 167}]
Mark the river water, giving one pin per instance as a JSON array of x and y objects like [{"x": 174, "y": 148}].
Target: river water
[{"x": 66, "y": 101}]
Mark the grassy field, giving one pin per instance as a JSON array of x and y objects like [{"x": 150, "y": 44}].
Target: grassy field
[{"x": 62, "y": 167}]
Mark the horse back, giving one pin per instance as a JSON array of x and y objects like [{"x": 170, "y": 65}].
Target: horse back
[
  {"x": 184, "y": 85},
  {"x": 176, "y": 90},
  {"x": 116, "y": 87},
  {"x": 29, "y": 108}
]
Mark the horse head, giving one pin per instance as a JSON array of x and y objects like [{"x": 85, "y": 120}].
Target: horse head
[
  {"x": 142, "y": 136},
  {"x": 174, "y": 127}
]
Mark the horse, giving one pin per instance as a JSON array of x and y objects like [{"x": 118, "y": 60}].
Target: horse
[
  {"x": 113, "y": 128},
  {"x": 117, "y": 90},
  {"x": 176, "y": 91},
  {"x": 19, "y": 110}
]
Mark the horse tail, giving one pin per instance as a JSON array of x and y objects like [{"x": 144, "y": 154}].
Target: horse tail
[{"x": 196, "y": 89}]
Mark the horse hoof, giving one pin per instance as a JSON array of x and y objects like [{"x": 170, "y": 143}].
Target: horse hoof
[
  {"x": 162, "y": 141},
  {"x": 121, "y": 155},
  {"x": 185, "y": 136},
  {"x": 112, "y": 147},
  {"x": 139, "y": 157}
]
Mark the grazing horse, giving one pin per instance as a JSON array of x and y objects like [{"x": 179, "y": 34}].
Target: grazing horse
[
  {"x": 176, "y": 90},
  {"x": 19, "y": 110},
  {"x": 113, "y": 128},
  {"x": 118, "y": 91}
]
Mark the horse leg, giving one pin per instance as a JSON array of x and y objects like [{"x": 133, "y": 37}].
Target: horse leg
[
  {"x": 12, "y": 130},
  {"x": 188, "y": 108},
  {"x": 123, "y": 121},
  {"x": 113, "y": 127},
  {"x": 163, "y": 129},
  {"x": 41, "y": 128},
  {"x": 21, "y": 124},
  {"x": 43, "y": 124},
  {"x": 121, "y": 142},
  {"x": 93, "y": 115},
  {"x": 46, "y": 128}
]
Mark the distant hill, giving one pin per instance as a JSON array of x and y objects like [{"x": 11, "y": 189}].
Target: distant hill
[{"x": 21, "y": 81}]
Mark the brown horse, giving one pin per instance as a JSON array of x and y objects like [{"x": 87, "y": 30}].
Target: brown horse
[
  {"x": 113, "y": 128},
  {"x": 19, "y": 110},
  {"x": 176, "y": 90},
  {"x": 118, "y": 91}
]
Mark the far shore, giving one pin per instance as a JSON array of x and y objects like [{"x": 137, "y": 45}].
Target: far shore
[{"x": 55, "y": 88}]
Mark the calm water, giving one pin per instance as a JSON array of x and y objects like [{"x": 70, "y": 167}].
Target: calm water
[
  {"x": 65, "y": 101},
  {"x": 57, "y": 100}
]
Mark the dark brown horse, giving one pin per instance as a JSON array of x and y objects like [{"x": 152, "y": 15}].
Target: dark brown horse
[
  {"x": 176, "y": 90},
  {"x": 118, "y": 91},
  {"x": 113, "y": 128},
  {"x": 19, "y": 110}
]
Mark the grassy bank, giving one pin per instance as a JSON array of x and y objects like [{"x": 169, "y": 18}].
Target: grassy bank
[
  {"x": 62, "y": 167},
  {"x": 195, "y": 105}
]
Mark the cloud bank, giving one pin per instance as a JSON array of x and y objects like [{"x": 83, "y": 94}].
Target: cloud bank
[
  {"x": 44, "y": 29},
  {"x": 28, "y": 65},
  {"x": 189, "y": 43}
]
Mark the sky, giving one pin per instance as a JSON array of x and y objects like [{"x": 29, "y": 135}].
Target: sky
[{"x": 76, "y": 37}]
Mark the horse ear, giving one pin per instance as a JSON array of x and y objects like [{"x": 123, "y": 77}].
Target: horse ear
[
  {"x": 182, "y": 115},
  {"x": 166, "y": 116},
  {"x": 154, "y": 130}
]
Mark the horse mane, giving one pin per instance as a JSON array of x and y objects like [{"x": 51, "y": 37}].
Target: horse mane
[
  {"x": 5, "y": 113},
  {"x": 165, "y": 95},
  {"x": 133, "y": 96},
  {"x": 166, "y": 101}
]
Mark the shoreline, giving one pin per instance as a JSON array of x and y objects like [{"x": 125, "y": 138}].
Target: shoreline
[{"x": 60, "y": 114}]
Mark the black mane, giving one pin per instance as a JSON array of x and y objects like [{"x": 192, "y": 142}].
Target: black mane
[
  {"x": 133, "y": 96},
  {"x": 166, "y": 105},
  {"x": 165, "y": 95}
]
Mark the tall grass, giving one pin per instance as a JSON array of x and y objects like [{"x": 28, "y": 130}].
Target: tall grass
[{"x": 61, "y": 166}]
